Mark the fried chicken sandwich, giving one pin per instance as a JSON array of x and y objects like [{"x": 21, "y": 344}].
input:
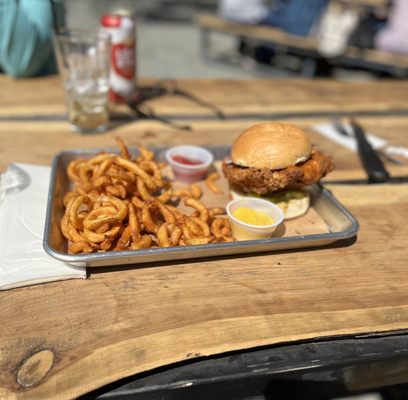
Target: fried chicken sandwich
[{"x": 275, "y": 161}]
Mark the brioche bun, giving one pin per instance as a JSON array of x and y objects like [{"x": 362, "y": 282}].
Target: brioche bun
[{"x": 272, "y": 145}]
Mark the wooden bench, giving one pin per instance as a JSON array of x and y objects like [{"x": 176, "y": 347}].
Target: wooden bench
[
  {"x": 366, "y": 3},
  {"x": 305, "y": 46}
]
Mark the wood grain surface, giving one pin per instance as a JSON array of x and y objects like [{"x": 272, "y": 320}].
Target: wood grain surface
[
  {"x": 47, "y": 138},
  {"x": 44, "y": 97},
  {"x": 63, "y": 339}
]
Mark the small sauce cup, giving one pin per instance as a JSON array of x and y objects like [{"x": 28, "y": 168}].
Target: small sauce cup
[
  {"x": 244, "y": 231},
  {"x": 189, "y": 163}
]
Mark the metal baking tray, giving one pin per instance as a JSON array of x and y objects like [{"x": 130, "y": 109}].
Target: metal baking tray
[{"x": 339, "y": 221}]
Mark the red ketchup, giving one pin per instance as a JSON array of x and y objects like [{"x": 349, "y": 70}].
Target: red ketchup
[
  {"x": 191, "y": 172},
  {"x": 185, "y": 160}
]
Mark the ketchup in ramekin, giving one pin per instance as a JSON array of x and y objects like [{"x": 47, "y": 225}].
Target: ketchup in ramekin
[
  {"x": 189, "y": 163},
  {"x": 185, "y": 160}
]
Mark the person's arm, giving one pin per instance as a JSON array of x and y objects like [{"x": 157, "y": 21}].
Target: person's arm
[{"x": 26, "y": 28}]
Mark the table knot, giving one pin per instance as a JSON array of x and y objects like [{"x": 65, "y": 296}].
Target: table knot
[{"x": 33, "y": 369}]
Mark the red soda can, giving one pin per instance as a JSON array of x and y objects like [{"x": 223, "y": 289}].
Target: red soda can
[{"x": 121, "y": 27}]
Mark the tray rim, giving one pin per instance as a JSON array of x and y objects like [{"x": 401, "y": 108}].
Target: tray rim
[{"x": 84, "y": 259}]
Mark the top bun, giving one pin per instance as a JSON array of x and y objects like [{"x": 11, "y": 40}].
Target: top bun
[{"x": 272, "y": 145}]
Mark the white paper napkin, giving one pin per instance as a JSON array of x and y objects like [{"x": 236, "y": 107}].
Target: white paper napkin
[
  {"x": 23, "y": 203},
  {"x": 330, "y": 132}
]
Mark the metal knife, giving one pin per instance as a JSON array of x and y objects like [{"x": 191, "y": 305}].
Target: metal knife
[
  {"x": 392, "y": 180},
  {"x": 383, "y": 155},
  {"x": 372, "y": 163}
]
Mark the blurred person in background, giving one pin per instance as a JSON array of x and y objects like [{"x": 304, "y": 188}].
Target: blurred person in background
[
  {"x": 26, "y": 30},
  {"x": 370, "y": 23},
  {"x": 393, "y": 38},
  {"x": 296, "y": 17},
  {"x": 245, "y": 11},
  {"x": 293, "y": 16}
]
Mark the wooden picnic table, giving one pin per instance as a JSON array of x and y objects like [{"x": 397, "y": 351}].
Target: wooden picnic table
[
  {"x": 44, "y": 98},
  {"x": 68, "y": 338}
]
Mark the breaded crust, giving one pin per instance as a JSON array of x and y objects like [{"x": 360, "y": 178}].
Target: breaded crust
[{"x": 263, "y": 181}]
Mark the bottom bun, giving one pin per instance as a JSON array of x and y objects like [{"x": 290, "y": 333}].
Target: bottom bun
[{"x": 293, "y": 203}]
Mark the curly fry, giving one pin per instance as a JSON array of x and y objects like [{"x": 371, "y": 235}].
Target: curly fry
[
  {"x": 145, "y": 154},
  {"x": 214, "y": 211},
  {"x": 68, "y": 196},
  {"x": 205, "y": 229},
  {"x": 67, "y": 229},
  {"x": 165, "y": 196},
  {"x": 210, "y": 182},
  {"x": 124, "y": 240},
  {"x": 143, "y": 243},
  {"x": 120, "y": 207},
  {"x": 195, "y": 191},
  {"x": 166, "y": 212},
  {"x": 133, "y": 223},
  {"x": 142, "y": 189},
  {"x": 191, "y": 226},
  {"x": 124, "y": 152},
  {"x": 186, "y": 232},
  {"x": 175, "y": 233},
  {"x": 163, "y": 236},
  {"x": 130, "y": 166},
  {"x": 137, "y": 202},
  {"x": 102, "y": 181},
  {"x": 81, "y": 247},
  {"x": 150, "y": 166},
  {"x": 104, "y": 166},
  {"x": 197, "y": 241},
  {"x": 76, "y": 203},
  {"x": 123, "y": 177},
  {"x": 106, "y": 244},
  {"x": 203, "y": 212},
  {"x": 99, "y": 158},
  {"x": 147, "y": 219},
  {"x": 177, "y": 213},
  {"x": 103, "y": 228},
  {"x": 182, "y": 193},
  {"x": 100, "y": 237},
  {"x": 85, "y": 175},
  {"x": 221, "y": 228},
  {"x": 94, "y": 195},
  {"x": 72, "y": 170}
]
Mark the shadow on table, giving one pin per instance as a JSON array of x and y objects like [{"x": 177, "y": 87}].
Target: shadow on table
[
  {"x": 337, "y": 245},
  {"x": 139, "y": 109}
]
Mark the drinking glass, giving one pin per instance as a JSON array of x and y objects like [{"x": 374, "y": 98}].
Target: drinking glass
[{"x": 84, "y": 62}]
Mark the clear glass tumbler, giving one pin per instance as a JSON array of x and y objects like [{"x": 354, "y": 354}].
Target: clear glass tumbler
[{"x": 84, "y": 63}]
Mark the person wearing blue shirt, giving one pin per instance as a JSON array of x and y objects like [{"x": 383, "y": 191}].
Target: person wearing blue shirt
[
  {"x": 26, "y": 30},
  {"x": 296, "y": 17}
]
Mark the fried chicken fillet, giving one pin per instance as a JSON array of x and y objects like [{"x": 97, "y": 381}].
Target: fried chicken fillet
[{"x": 262, "y": 181}]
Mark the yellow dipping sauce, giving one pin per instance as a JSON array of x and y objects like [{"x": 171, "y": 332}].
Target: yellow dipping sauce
[{"x": 252, "y": 217}]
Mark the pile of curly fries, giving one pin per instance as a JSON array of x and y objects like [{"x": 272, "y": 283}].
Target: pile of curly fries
[{"x": 124, "y": 203}]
